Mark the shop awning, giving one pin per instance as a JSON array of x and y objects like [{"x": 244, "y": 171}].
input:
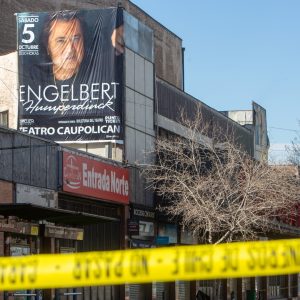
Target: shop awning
[{"x": 56, "y": 215}]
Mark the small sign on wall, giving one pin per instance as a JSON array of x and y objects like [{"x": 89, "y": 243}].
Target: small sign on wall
[
  {"x": 35, "y": 195},
  {"x": 133, "y": 227}
]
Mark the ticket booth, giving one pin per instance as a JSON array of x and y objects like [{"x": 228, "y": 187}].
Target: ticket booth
[
  {"x": 20, "y": 238},
  {"x": 32, "y": 230},
  {"x": 64, "y": 240}
]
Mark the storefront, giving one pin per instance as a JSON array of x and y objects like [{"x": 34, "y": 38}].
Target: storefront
[
  {"x": 92, "y": 186},
  {"x": 23, "y": 233},
  {"x": 19, "y": 238},
  {"x": 141, "y": 229},
  {"x": 98, "y": 188}
]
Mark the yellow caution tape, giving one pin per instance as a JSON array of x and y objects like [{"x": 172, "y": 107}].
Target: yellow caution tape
[{"x": 243, "y": 259}]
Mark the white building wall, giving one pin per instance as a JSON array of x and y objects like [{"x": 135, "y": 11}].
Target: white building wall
[
  {"x": 8, "y": 87},
  {"x": 256, "y": 121},
  {"x": 242, "y": 117}
]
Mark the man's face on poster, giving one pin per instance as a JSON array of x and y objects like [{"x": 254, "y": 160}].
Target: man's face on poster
[{"x": 65, "y": 47}]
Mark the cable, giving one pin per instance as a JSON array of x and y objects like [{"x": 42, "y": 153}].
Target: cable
[
  {"x": 9, "y": 70},
  {"x": 8, "y": 88},
  {"x": 286, "y": 129}
]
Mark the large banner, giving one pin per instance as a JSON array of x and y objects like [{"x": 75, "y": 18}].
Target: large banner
[{"x": 70, "y": 74}]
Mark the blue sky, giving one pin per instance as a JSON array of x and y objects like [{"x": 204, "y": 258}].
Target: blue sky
[{"x": 239, "y": 51}]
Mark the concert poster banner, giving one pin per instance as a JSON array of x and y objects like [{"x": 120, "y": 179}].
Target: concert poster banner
[{"x": 70, "y": 75}]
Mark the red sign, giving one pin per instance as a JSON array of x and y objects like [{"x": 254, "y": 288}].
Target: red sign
[{"x": 88, "y": 177}]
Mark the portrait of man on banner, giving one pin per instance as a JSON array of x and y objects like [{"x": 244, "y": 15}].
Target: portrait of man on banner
[{"x": 70, "y": 74}]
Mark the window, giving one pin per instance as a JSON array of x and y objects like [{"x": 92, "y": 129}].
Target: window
[
  {"x": 4, "y": 118},
  {"x": 138, "y": 37},
  {"x": 278, "y": 286}
]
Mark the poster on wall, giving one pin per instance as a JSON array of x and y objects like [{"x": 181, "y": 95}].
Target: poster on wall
[
  {"x": 168, "y": 230},
  {"x": 70, "y": 74}
]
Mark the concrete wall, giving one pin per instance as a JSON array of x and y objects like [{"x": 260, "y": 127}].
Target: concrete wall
[
  {"x": 170, "y": 103},
  {"x": 28, "y": 160},
  {"x": 242, "y": 117},
  {"x": 167, "y": 47},
  {"x": 35, "y": 195}
]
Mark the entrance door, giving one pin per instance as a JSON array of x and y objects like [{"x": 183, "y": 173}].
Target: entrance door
[
  {"x": 21, "y": 249},
  {"x": 68, "y": 293}
]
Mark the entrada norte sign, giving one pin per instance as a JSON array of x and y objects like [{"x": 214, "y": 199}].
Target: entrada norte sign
[{"x": 89, "y": 177}]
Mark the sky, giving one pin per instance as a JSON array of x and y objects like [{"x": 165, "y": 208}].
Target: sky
[{"x": 237, "y": 52}]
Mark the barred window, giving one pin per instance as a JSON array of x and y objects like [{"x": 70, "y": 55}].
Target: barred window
[{"x": 4, "y": 118}]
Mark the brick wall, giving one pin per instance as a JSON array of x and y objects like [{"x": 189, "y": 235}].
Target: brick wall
[{"x": 6, "y": 192}]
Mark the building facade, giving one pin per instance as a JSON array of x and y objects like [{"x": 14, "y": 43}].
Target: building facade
[{"x": 41, "y": 210}]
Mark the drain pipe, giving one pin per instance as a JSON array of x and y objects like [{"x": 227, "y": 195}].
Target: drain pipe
[{"x": 182, "y": 57}]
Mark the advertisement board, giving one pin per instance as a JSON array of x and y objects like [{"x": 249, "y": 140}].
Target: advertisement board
[
  {"x": 146, "y": 229},
  {"x": 63, "y": 232},
  {"x": 35, "y": 195},
  {"x": 133, "y": 227},
  {"x": 70, "y": 74},
  {"x": 89, "y": 177},
  {"x": 19, "y": 227},
  {"x": 169, "y": 230},
  {"x": 141, "y": 212}
]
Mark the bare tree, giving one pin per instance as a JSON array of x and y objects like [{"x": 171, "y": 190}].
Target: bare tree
[
  {"x": 215, "y": 187},
  {"x": 294, "y": 150}
]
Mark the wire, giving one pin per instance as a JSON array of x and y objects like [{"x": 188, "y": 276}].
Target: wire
[
  {"x": 18, "y": 73},
  {"x": 286, "y": 129},
  {"x": 8, "y": 89},
  {"x": 27, "y": 147},
  {"x": 278, "y": 150},
  {"x": 12, "y": 71}
]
